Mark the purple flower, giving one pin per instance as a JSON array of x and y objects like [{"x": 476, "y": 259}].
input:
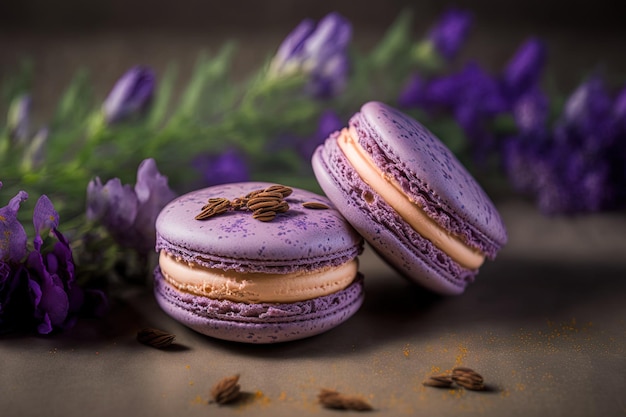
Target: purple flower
[
  {"x": 13, "y": 300},
  {"x": 15, "y": 309},
  {"x": 450, "y": 31},
  {"x": 130, "y": 95},
  {"x": 306, "y": 145},
  {"x": 523, "y": 71},
  {"x": 472, "y": 96},
  {"x": 57, "y": 299},
  {"x": 18, "y": 118},
  {"x": 328, "y": 123},
  {"x": 51, "y": 280},
  {"x": 319, "y": 51},
  {"x": 578, "y": 165},
  {"x": 12, "y": 234},
  {"x": 41, "y": 291},
  {"x": 531, "y": 111},
  {"x": 129, "y": 213},
  {"x": 589, "y": 112},
  {"x": 413, "y": 94},
  {"x": 229, "y": 166}
]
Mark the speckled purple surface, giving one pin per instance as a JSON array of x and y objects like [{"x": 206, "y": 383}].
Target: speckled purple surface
[
  {"x": 258, "y": 323},
  {"x": 300, "y": 238},
  {"x": 429, "y": 173}
]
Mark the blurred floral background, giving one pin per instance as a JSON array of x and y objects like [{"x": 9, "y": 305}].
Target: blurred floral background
[{"x": 112, "y": 109}]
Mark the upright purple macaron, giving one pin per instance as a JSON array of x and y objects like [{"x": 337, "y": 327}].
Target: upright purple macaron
[
  {"x": 424, "y": 185},
  {"x": 296, "y": 243}
]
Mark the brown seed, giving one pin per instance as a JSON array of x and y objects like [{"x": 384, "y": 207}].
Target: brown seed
[
  {"x": 332, "y": 399},
  {"x": 213, "y": 207},
  {"x": 439, "y": 381},
  {"x": 239, "y": 203},
  {"x": 155, "y": 338},
  {"x": 260, "y": 203},
  {"x": 315, "y": 205},
  {"x": 264, "y": 216},
  {"x": 285, "y": 191},
  {"x": 217, "y": 200},
  {"x": 253, "y": 193},
  {"x": 226, "y": 390},
  {"x": 270, "y": 194},
  {"x": 468, "y": 372},
  {"x": 283, "y": 207},
  {"x": 468, "y": 378}
]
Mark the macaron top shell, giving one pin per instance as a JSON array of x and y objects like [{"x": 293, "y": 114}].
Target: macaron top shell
[
  {"x": 430, "y": 175},
  {"x": 300, "y": 238}
]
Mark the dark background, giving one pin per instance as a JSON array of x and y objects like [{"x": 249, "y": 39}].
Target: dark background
[{"x": 107, "y": 37}]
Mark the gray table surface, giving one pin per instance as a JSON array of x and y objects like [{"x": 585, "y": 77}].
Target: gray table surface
[{"x": 544, "y": 324}]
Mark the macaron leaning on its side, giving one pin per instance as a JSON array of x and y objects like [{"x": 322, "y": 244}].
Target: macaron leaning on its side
[
  {"x": 238, "y": 265},
  {"x": 410, "y": 198}
]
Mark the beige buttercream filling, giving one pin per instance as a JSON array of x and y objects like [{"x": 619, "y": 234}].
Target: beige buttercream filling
[
  {"x": 410, "y": 211},
  {"x": 256, "y": 287}
]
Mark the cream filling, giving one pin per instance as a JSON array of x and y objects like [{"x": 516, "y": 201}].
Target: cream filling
[
  {"x": 256, "y": 287},
  {"x": 410, "y": 211}
]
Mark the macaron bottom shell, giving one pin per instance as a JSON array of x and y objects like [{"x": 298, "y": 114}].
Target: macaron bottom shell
[
  {"x": 258, "y": 323},
  {"x": 410, "y": 254}
]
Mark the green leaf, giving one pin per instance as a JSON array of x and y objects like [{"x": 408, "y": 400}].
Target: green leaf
[
  {"x": 395, "y": 43},
  {"x": 76, "y": 103},
  {"x": 162, "y": 98},
  {"x": 209, "y": 73}
]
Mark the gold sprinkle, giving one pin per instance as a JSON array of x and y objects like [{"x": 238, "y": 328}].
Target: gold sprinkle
[
  {"x": 226, "y": 390},
  {"x": 332, "y": 399},
  {"x": 315, "y": 205},
  {"x": 439, "y": 381},
  {"x": 155, "y": 338}
]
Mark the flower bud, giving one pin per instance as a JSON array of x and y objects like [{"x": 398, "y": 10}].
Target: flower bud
[
  {"x": 318, "y": 51},
  {"x": 18, "y": 118},
  {"x": 130, "y": 95}
]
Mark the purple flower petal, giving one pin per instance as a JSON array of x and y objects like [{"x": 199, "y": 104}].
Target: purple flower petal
[
  {"x": 319, "y": 51},
  {"x": 128, "y": 212},
  {"x": 328, "y": 123},
  {"x": 130, "y": 95},
  {"x": 524, "y": 70},
  {"x": 292, "y": 46},
  {"x": 413, "y": 93},
  {"x": 450, "y": 32},
  {"x": 44, "y": 217},
  {"x": 12, "y": 234},
  {"x": 531, "y": 111},
  {"x": 49, "y": 298},
  {"x": 589, "y": 107},
  {"x": 153, "y": 193},
  {"x": 229, "y": 166},
  {"x": 114, "y": 204}
]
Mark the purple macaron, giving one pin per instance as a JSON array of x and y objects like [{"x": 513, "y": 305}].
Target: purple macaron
[
  {"x": 235, "y": 277},
  {"x": 410, "y": 198}
]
